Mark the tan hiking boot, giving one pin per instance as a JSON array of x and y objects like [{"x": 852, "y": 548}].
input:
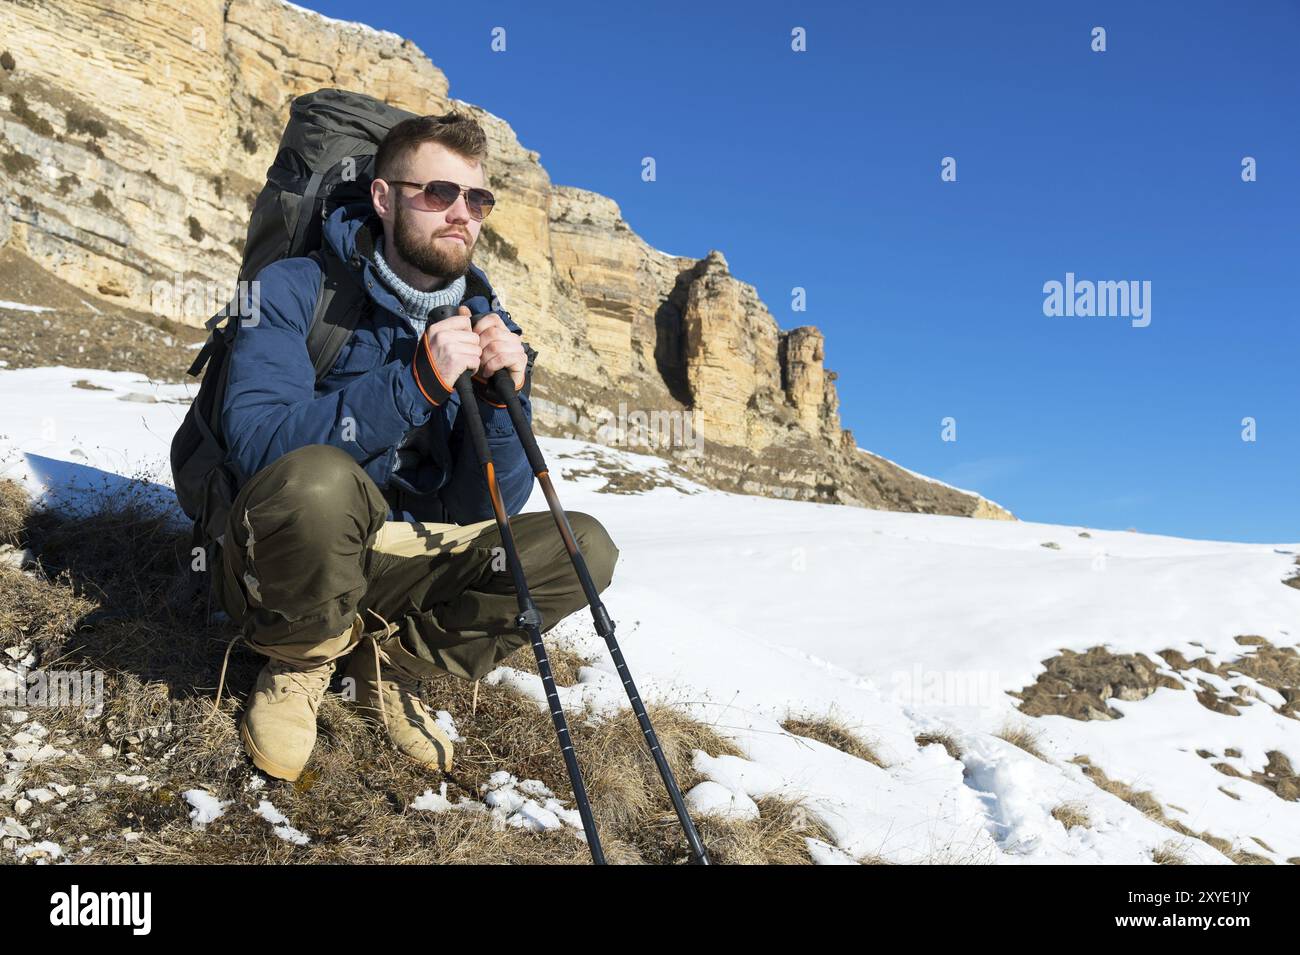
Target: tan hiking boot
[
  {"x": 279, "y": 725},
  {"x": 394, "y": 702}
]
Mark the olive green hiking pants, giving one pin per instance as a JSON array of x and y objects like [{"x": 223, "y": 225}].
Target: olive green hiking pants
[{"x": 308, "y": 554}]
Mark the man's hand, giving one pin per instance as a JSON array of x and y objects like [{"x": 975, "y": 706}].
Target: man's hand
[
  {"x": 501, "y": 348},
  {"x": 454, "y": 347}
]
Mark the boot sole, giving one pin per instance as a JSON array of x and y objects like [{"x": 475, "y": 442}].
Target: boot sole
[{"x": 268, "y": 766}]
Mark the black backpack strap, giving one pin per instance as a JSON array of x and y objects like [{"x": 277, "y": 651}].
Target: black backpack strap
[
  {"x": 215, "y": 330},
  {"x": 306, "y": 212},
  {"x": 339, "y": 308}
]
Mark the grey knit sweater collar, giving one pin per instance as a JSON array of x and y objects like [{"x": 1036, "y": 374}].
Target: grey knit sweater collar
[{"x": 418, "y": 304}]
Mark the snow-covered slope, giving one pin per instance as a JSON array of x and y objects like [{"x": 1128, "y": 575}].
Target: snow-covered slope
[{"x": 748, "y": 611}]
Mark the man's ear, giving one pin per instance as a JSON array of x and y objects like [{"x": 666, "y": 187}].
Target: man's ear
[{"x": 381, "y": 198}]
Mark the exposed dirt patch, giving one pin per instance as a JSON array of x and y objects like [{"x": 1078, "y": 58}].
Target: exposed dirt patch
[
  {"x": 1278, "y": 775},
  {"x": 1078, "y": 685},
  {"x": 623, "y": 480},
  {"x": 80, "y": 331},
  {"x": 1277, "y": 668}
]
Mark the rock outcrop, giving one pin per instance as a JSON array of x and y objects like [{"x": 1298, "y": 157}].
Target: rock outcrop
[{"x": 135, "y": 137}]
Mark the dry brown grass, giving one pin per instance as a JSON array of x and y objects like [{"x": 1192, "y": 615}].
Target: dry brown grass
[
  {"x": 564, "y": 664},
  {"x": 943, "y": 739},
  {"x": 108, "y": 595},
  {"x": 14, "y": 512},
  {"x": 1072, "y": 815},
  {"x": 1147, "y": 804},
  {"x": 835, "y": 733},
  {"x": 1022, "y": 736},
  {"x": 1168, "y": 853}
]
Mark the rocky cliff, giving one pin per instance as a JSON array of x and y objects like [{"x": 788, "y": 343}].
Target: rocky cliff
[{"x": 135, "y": 136}]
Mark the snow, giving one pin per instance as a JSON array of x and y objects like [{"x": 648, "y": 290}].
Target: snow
[
  {"x": 712, "y": 799},
  {"x": 746, "y": 611},
  {"x": 344, "y": 24},
  {"x": 21, "y": 307},
  {"x": 41, "y": 853},
  {"x": 824, "y": 853},
  {"x": 448, "y": 725},
  {"x": 515, "y": 803},
  {"x": 63, "y": 451},
  {"x": 280, "y": 824},
  {"x": 930, "y": 480},
  {"x": 206, "y": 807},
  {"x": 430, "y": 801}
]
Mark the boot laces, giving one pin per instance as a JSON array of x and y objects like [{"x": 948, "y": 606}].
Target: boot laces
[
  {"x": 221, "y": 681},
  {"x": 389, "y": 628},
  {"x": 310, "y": 681}
]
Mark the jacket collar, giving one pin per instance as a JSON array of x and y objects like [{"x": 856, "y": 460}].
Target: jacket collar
[{"x": 351, "y": 232}]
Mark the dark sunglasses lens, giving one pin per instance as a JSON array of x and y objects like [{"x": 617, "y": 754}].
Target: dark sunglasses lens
[
  {"x": 438, "y": 195},
  {"x": 480, "y": 202}
]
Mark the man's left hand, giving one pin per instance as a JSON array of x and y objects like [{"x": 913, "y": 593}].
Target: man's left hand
[{"x": 502, "y": 348}]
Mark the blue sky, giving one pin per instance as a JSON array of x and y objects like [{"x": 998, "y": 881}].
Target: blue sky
[{"x": 821, "y": 169}]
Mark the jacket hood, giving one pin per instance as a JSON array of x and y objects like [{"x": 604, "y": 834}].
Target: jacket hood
[{"x": 351, "y": 233}]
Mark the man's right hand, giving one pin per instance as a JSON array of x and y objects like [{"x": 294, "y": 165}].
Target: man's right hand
[
  {"x": 455, "y": 346},
  {"x": 446, "y": 349}
]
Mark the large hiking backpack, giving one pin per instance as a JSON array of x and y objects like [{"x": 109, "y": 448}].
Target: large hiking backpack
[{"x": 325, "y": 160}]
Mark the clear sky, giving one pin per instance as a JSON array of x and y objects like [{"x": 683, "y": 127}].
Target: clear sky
[{"x": 822, "y": 169}]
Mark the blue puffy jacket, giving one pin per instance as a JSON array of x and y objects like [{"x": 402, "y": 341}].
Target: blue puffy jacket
[{"x": 368, "y": 403}]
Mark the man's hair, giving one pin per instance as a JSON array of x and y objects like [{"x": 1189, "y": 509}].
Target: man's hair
[{"x": 456, "y": 131}]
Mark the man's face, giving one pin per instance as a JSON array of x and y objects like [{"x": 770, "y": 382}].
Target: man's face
[{"x": 440, "y": 244}]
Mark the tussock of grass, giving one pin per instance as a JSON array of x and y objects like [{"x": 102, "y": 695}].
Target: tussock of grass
[
  {"x": 1023, "y": 737},
  {"x": 1072, "y": 815},
  {"x": 943, "y": 739},
  {"x": 15, "y": 510},
  {"x": 835, "y": 733},
  {"x": 775, "y": 838},
  {"x": 564, "y": 663},
  {"x": 109, "y": 595},
  {"x": 1168, "y": 853},
  {"x": 1146, "y": 803}
]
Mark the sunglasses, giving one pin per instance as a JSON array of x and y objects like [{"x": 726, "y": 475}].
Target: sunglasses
[{"x": 438, "y": 195}]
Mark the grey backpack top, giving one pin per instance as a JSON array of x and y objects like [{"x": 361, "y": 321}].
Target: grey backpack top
[{"x": 326, "y": 160}]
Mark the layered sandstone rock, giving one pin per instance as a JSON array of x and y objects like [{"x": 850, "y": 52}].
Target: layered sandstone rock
[{"x": 136, "y": 136}]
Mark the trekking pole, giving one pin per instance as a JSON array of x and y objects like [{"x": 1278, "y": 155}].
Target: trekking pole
[
  {"x": 505, "y": 387},
  {"x": 530, "y": 618}
]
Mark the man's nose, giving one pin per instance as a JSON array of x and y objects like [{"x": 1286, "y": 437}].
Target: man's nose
[{"x": 458, "y": 211}]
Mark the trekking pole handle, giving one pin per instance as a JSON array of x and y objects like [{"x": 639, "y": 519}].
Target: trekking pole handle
[{"x": 504, "y": 384}]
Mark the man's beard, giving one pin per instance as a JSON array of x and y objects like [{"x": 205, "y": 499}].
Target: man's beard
[{"x": 422, "y": 252}]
